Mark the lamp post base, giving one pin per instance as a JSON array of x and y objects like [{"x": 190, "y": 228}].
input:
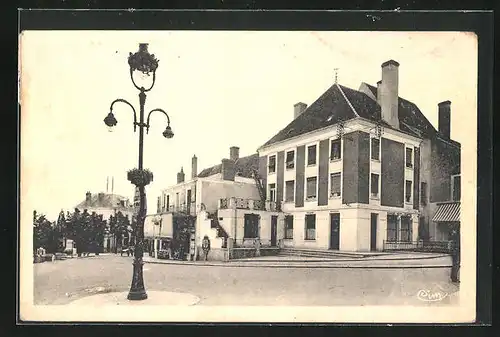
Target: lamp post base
[
  {"x": 137, "y": 291},
  {"x": 137, "y": 295}
]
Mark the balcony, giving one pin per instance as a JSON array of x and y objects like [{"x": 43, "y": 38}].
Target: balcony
[
  {"x": 249, "y": 204},
  {"x": 183, "y": 208}
]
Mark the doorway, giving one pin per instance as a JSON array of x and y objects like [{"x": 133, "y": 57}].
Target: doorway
[
  {"x": 274, "y": 229},
  {"x": 373, "y": 232},
  {"x": 334, "y": 231}
]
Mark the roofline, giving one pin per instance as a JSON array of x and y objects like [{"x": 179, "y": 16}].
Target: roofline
[
  {"x": 301, "y": 135},
  {"x": 327, "y": 127},
  {"x": 448, "y": 141},
  {"x": 347, "y": 100}
]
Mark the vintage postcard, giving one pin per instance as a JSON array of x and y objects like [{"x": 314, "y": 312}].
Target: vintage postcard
[{"x": 248, "y": 176}]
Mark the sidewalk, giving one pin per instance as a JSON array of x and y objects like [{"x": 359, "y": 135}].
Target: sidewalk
[{"x": 392, "y": 261}]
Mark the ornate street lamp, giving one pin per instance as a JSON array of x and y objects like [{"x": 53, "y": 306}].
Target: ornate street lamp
[{"x": 146, "y": 63}]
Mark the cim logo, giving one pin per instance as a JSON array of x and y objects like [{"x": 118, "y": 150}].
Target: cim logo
[{"x": 434, "y": 295}]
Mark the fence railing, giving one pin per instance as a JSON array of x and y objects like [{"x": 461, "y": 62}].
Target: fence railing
[
  {"x": 420, "y": 246},
  {"x": 249, "y": 204},
  {"x": 253, "y": 243}
]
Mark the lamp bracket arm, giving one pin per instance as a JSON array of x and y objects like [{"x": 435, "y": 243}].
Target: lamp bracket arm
[
  {"x": 121, "y": 100},
  {"x": 149, "y": 115}
]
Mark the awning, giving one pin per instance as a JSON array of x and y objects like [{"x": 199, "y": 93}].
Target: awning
[{"x": 448, "y": 212}]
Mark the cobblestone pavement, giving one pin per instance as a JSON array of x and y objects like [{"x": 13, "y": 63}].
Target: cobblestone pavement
[{"x": 61, "y": 282}]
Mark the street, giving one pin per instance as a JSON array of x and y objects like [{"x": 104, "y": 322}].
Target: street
[{"x": 61, "y": 282}]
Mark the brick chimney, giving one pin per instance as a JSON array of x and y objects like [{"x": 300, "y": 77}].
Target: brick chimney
[
  {"x": 194, "y": 167},
  {"x": 298, "y": 109},
  {"x": 234, "y": 153},
  {"x": 444, "y": 111},
  {"x": 389, "y": 94},
  {"x": 180, "y": 176},
  {"x": 228, "y": 169},
  {"x": 100, "y": 197},
  {"x": 88, "y": 197}
]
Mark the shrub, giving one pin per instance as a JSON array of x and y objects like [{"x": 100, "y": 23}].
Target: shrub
[{"x": 163, "y": 254}]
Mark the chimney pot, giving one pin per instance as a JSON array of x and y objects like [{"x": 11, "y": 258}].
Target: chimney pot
[
  {"x": 180, "y": 176},
  {"x": 389, "y": 95},
  {"x": 234, "y": 153},
  {"x": 444, "y": 115},
  {"x": 194, "y": 167},
  {"x": 298, "y": 109}
]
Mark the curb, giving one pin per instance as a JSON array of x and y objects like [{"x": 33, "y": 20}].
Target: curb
[{"x": 283, "y": 265}]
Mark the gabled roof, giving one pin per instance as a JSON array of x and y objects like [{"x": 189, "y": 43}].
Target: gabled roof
[
  {"x": 329, "y": 109},
  {"x": 340, "y": 103},
  {"x": 244, "y": 167},
  {"x": 112, "y": 201}
]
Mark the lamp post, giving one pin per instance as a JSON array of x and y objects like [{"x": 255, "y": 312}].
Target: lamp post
[{"x": 146, "y": 63}]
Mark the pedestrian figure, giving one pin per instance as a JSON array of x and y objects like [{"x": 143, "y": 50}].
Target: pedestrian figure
[{"x": 205, "y": 246}]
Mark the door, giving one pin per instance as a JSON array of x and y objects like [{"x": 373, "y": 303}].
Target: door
[
  {"x": 373, "y": 232},
  {"x": 334, "y": 230},
  {"x": 274, "y": 229},
  {"x": 188, "y": 206}
]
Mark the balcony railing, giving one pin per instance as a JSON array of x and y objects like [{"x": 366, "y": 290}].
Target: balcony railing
[
  {"x": 183, "y": 208},
  {"x": 420, "y": 246},
  {"x": 249, "y": 204}
]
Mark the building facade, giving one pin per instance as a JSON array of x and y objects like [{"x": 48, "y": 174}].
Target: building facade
[{"x": 348, "y": 169}]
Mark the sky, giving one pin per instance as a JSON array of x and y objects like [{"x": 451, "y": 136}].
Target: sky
[{"x": 220, "y": 89}]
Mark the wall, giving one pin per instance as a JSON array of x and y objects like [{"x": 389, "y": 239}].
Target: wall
[
  {"x": 152, "y": 230},
  {"x": 392, "y": 173},
  {"x": 233, "y": 221},
  {"x": 212, "y": 191},
  {"x": 182, "y": 190},
  {"x": 445, "y": 161}
]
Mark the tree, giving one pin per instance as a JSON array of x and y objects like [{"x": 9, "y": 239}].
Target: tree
[
  {"x": 118, "y": 227},
  {"x": 44, "y": 234}
]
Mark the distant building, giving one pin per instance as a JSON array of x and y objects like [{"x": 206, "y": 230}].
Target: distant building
[{"x": 107, "y": 204}]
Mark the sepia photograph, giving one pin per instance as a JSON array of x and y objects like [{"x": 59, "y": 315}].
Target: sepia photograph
[{"x": 248, "y": 176}]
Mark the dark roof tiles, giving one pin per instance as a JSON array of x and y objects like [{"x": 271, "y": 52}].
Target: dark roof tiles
[
  {"x": 244, "y": 167},
  {"x": 105, "y": 201},
  {"x": 340, "y": 103}
]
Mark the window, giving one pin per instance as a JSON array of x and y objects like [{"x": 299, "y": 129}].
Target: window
[
  {"x": 311, "y": 155},
  {"x": 310, "y": 227},
  {"x": 251, "y": 226},
  {"x": 335, "y": 184},
  {"x": 335, "y": 149},
  {"x": 168, "y": 202},
  {"x": 405, "y": 230},
  {"x": 289, "y": 190},
  {"x": 392, "y": 225},
  {"x": 374, "y": 185},
  {"x": 408, "y": 191},
  {"x": 311, "y": 187},
  {"x": 375, "y": 149},
  {"x": 272, "y": 192},
  {"x": 455, "y": 188},
  {"x": 423, "y": 193},
  {"x": 288, "y": 226},
  {"x": 272, "y": 164},
  {"x": 290, "y": 160},
  {"x": 409, "y": 157}
]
